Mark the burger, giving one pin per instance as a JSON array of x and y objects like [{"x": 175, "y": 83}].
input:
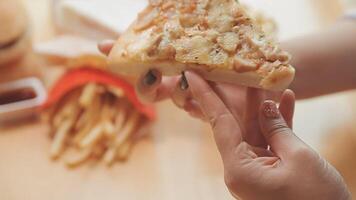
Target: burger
[{"x": 14, "y": 36}]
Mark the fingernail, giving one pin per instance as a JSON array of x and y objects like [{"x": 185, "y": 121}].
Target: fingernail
[
  {"x": 150, "y": 78},
  {"x": 183, "y": 82},
  {"x": 270, "y": 110}
]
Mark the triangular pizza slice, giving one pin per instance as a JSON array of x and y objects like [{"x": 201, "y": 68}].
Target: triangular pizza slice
[{"x": 216, "y": 38}]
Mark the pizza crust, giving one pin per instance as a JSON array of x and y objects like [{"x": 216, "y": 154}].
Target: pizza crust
[{"x": 276, "y": 81}]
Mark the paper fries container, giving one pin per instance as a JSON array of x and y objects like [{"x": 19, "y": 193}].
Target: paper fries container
[{"x": 79, "y": 77}]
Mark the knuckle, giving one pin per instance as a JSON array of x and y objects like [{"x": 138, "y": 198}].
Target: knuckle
[
  {"x": 206, "y": 94},
  {"x": 215, "y": 120},
  {"x": 181, "y": 102},
  {"x": 277, "y": 128}
]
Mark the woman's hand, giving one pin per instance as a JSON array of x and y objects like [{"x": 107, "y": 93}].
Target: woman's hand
[
  {"x": 243, "y": 130},
  {"x": 289, "y": 169}
]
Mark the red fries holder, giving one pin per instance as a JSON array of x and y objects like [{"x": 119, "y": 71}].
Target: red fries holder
[{"x": 76, "y": 78}]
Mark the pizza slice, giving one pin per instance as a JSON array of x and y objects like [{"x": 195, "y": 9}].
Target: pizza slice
[{"x": 216, "y": 38}]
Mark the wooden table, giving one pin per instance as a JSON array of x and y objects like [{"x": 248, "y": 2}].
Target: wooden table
[{"x": 179, "y": 161}]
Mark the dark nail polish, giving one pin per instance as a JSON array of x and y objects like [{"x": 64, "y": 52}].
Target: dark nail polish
[
  {"x": 270, "y": 110},
  {"x": 150, "y": 78},
  {"x": 183, "y": 82}
]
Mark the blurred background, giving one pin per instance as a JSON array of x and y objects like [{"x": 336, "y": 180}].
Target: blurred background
[{"x": 179, "y": 160}]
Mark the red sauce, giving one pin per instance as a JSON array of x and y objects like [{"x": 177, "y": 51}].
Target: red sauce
[{"x": 13, "y": 96}]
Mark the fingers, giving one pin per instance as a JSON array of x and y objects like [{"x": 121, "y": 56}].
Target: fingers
[
  {"x": 276, "y": 131},
  {"x": 181, "y": 95},
  {"x": 106, "y": 46},
  {"x": 253, "y": 135},
  {"x": 233, "y": 96},
  {"x": 227, "y": 131},
  {"x": 193, "y": 108},
  {"x": 152, "y": 87},
  {"x": 287, "y": 107}
]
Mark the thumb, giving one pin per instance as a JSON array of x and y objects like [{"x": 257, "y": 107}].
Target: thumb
[{"x": 276, "y": 131}]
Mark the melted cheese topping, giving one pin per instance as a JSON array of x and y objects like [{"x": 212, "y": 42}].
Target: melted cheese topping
[{"x": 215, "y": 33}]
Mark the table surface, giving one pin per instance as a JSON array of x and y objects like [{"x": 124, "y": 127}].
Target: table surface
[{"x": 179, "y": 160}]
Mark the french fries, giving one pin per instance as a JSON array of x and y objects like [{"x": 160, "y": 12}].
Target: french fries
[
  {"x": 59, "y": 139},
  {"x": 94, "y": 122},
  {"x": 79, "y": 158}
]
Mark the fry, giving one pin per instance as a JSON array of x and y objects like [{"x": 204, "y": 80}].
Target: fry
[
  {"x": 129, "y": 127},
  {"x": 69, "y": 109},
  {"x": 108, "y": 113},
  {"x": 59, "y": 138},
  {"x": 82, "y": 119},
  {"x": 109, "y": 129},
  {"x": 121, "y": 138},
  {"x": 124, "y": 151},
  {"x": 51, "y": 114},
  {"x": 59, "y": 111},
  {"x": 101, "y": 121},
  {"x": 63, "y": 113},
  {"x": 78, "y": 159},
  {"x": 88, "y": 119},
  {"x": 84, "y": 131},
  {"x": 121, "y": 115},
  {"x": 107, "y": 109},
  {"x": 110, "y": 155},
  {"x": 116, "y": 91},
  {"x": 98, "y": 150},
  {"x": 87, "y": 95},
  {"x": 92, "y": 137}
]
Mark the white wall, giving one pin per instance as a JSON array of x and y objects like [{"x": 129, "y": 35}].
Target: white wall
[{"x": 294, "y": 17}]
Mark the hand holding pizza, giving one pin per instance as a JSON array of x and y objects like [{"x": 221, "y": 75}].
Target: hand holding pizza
[
  {"x": 257, "y": 172},
  {"x": 243, "y": 130}
]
